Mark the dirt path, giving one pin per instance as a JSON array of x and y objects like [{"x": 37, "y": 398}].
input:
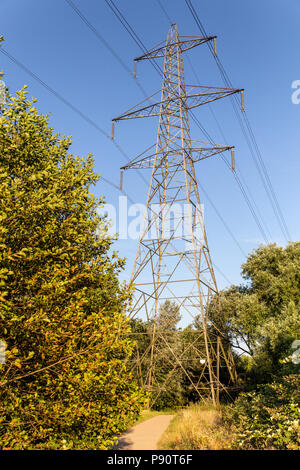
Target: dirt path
[{"x": 144, "y": 436}]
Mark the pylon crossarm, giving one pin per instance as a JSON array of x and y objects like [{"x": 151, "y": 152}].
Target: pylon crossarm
[
  {"x": 140, "y": 157},
  {"x": 140, "y": 103},
  {"x": 189, "y": 101},
  {"x": 193, "y": 100},
  {"x": 148, "y": 160},
  {"x": 157, "y": 52},
  {"x": 202, "y": 152}
]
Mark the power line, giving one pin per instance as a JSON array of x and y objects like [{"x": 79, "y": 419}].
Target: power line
[
  {"x": 141, "y": 45},
  {"x": 164, "y": 11},
  {"x": 254, "y": 211},
  {"x": 263, "y": 170},
  {"x": 237, "y": 170},
  {"x": 131, "y": 32},
  {"x": 222, "y": 219},
  {"x": 242, "y": 189},
  {"x": 70, "y": 105},
  {"x": 222, "y": 274},
  {"x": 55, "y": 93},
  {"x": 105, "y": 43}
]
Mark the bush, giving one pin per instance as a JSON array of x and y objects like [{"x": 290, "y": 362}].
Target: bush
[{"x": 268, "y": 418}]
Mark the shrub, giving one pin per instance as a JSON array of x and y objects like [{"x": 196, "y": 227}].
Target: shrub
[{"x": 268, "y": 418}]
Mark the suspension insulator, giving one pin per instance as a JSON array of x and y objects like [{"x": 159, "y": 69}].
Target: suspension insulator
[
  {"x": 242, "y": 101},
  {"x": 232, "y": 160},
  {"x": 113, "y": 130},
  {"x": 134, "y": 73}
]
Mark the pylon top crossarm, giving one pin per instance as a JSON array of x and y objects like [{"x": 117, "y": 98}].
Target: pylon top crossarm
[{"x": 185, "y": 43}]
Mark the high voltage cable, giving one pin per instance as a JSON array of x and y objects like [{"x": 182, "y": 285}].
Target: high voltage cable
[
  {"x": 106, "y": 44},
  {"x": 138, "y": 41},
  {"x": 164, "y": 11},
  {"x": 142, "y": 46},
  {"x": 77, "y": 111},
  {"x": 258, "y": 218},
  {"x": 222, "y": 219},
  {"x": 260, "y": 222},
  {"x": 263, "y": 170},
  {"x": 55, "y": 93},
  {"x": 226, "y": 142},
  {"x": 244, "y": 193},
  {"x": 70, "y": 105},
  {"x": 131, "y": 32},
  {"x": 82, "y": 115},
  {"x": 222, "y": 274},
  {"x": 92, "y": 123}
]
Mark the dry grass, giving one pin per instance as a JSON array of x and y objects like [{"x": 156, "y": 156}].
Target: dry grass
[{"x": 198, "y": 427}]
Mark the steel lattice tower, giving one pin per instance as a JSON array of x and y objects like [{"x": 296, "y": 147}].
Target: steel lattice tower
[{"x": 173, "y": 260}]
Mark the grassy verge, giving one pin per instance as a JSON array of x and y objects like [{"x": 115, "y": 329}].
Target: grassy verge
[{"x": 198, "y": 427}]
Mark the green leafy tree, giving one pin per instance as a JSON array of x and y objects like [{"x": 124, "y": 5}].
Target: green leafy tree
[
  {"x": 167, "y": 373},
  {"x": 166, "y": 389},
  {"x": 262, "y": 317},
  {"x": 65, "y": 383}
]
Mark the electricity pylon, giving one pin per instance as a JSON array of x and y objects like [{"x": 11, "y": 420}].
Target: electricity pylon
[{"x": 173, "y": 260}]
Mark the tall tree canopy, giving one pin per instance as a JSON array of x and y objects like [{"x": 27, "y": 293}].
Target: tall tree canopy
[
  {"x": 64, "y": 383},
  {"x": 262, "y": 317}
]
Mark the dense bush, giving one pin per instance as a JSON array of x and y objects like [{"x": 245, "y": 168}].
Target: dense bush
[{"x": 267, "y": 418}]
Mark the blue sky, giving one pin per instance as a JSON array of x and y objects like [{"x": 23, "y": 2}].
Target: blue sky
[{"x": 258, "y": 46}]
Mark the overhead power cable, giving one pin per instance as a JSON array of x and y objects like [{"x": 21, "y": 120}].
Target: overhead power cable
[
  {"x": 164, "y": 11},
  {"x": 238, "y": 172},
  {"x": 131, "y": 32},
  {"x": 254, "y": 211},
  {"x": 105, "y": 43},
  {"x": 252, "y": 143},
  {"x": 70, "y": 105},
  {"x": 141, "y": 45}
]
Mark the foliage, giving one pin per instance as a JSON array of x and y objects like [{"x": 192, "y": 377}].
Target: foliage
[
  {"x": 267, "y": 418},
  {"x": 262, "y": 317},
  {"x": 166, "y": 390},
  {"x": 274, "y": 274},
  {"x": 64, "y": 384}
]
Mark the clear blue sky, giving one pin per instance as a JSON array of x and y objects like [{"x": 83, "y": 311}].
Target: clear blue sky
[{"x": 258, "y": 43}]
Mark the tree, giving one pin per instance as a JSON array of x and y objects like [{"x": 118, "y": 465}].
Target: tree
[
  {"x": 166, "y": 385},
  {"x": 262, "y": 317},
  {"x": 167, "y": 375},
  {"x": 64, "y": 383}
]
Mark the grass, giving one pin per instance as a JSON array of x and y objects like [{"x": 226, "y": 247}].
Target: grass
[{"x": 198, "y": 427}]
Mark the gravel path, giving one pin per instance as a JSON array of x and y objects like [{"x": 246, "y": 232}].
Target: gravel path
[{"x": 144, "y": 436}]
